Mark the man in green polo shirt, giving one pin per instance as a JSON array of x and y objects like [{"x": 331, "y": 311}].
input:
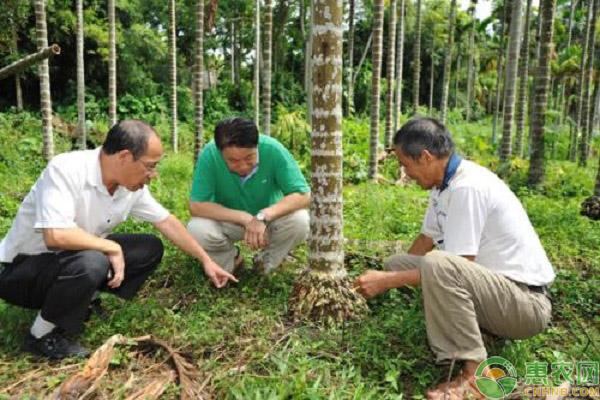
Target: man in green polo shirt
[{"x": 248, "y": 187}]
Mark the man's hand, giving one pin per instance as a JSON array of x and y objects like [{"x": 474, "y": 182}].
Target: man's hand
[
  {"x": 372, "y": 283},
  {"x": 117, "y": 261},
  {"x": 255, "y": 234},
  {"x": 217, "y": 275}
]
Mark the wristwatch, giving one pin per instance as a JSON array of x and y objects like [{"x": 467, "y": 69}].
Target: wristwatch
[{"x": 261, "y": 217}]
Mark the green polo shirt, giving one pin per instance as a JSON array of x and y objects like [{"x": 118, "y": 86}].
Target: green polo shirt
[{"x": 277, "y": 176}]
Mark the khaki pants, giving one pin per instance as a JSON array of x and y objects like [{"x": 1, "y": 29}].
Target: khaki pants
[
  {"x": 218, "y": 239},
  {"x": 461, "y": 297}
]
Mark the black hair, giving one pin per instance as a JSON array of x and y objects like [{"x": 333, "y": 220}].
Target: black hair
[
  {"x": 424, "y": 133},
  {"x": 236, "y": 132},
  {"x": 129, "y": 135}
]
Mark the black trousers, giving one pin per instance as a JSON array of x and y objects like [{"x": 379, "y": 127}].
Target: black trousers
[{"x": 62, "y": 284}]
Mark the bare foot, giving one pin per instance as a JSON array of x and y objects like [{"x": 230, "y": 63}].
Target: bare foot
[{"x": 462, "y": 387}]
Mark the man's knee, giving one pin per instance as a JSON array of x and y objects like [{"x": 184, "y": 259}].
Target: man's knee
[
  {"x": 438, "y": 266},
  {"x": 207, "y": 232},
  {"x": 298, "y": 226},
  {"x": 90, "y": 268},
  {"x": 156, "y": 249}
]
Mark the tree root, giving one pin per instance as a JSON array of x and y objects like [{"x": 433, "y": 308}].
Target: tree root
[{"x": 325, "y": 298}]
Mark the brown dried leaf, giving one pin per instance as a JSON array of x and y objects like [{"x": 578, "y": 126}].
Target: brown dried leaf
[{"x": 154, "y": 389}]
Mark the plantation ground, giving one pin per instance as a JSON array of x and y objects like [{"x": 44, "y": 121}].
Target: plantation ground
[{"x": 241, "y": 338}]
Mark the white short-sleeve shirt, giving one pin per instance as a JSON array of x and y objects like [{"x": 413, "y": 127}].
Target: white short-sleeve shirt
[
  {"x": 68, "y": 194},
  {"x": 478, "y": 215}
]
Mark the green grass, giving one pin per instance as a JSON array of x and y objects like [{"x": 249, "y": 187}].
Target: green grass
[{"x": 241, "y": 337}]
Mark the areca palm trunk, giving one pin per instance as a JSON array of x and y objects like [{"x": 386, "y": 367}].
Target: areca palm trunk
[
  {"x": 510, "y": 86},
  {"x": 43, "y": 70},
  {"x": 564, "y": 103},
  {"x": 523, "y": 86},
  {"x": 198, "y": 79},
  {"x": 448, "y": 62},
  {"x": 431, "y": 78},
  {"x": 391, "y": 58},
  {"x": 399, "y": 65},
  {"x": 582, "y": 84},
  {"x": 308, "y": 82},
  {"x": 586, "y": 133},
  {"x": 267, "y": 52},
  {"x": 470, "y": 66},
  {"x": 112, "y": 65},
  {"x": 257, "y": 65},
  {"x": 541, "y": 85},
  {"x": 14, "y": 49},
  {"x": 375, "y": 89},
  {"x": 324, "y": 292},
  {"x": 416, "y": 63},
  {"x": 81, "y": 132},
  {"x": 499, "y": 69},
  {"x": 173, "y": 73},
  {"x": 350, "y": 63}
]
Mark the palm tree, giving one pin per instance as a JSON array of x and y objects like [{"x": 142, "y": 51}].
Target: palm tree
[
  {"x": 308, "y": 83},
  {"x": 391, "y": 55},
  {"x": 448, "y": 62},
  {"x": 267, "y": 67},
  {"x": 324, "y": 292},
  {"x": 399, "y": 65},
  {"x": 112, "y": 65},
  {"x": 198, "y": 79},
  {"x": 431, "y": 76},
  {"x": 416, "y": 63},
  {"x": 173, "y": 72},
  {"x": 43, "y": 70},
  {"x": 257, "y": 65},
  {"x": 375, "y": 90},
  {"x": 14, "y": 49},
  {"x": 350, "y": 63},
  {"x": 470, "y": 67},
  {"x": 500, "y": 67},
  {"x": 523, "y": 80},
  {"x": 510, "y": 85},
  {"x": 582, "y": 85},
  {"x": 541, "y": 84},
  {"x": 589, "y": 68},
  {"x": 81, "y": 134}
]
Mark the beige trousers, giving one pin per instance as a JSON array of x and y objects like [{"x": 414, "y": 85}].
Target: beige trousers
[
  {"x": 218, "y": 239},
  {"x": 461, "y": 297}
]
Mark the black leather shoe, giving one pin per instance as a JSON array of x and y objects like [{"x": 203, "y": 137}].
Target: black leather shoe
[{"x": 54, "y": 345}]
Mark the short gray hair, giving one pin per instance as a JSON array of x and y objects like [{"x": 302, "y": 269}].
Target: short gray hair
[
  {"x": 424, "y": 133},
  {"x": 129, "y": 135}
]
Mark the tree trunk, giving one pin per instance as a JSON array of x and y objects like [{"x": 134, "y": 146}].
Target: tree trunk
[
  {"x": 470, "y": 66},
  {"x": 173, "y": 73},
  {"x": 563, "y": 88},
  {"x": 45, "y": 99},
  {"x": 112, "y": 65},
  {"x": 391, "y": 56},
  {"x": 27, "y": 61},
  {"x": 350, "y": 63},
  {"x": 399, "y": 65},
  {"x": 308, "y": 80},
  {"x": 257, "y": 65},
  {"x": 499, "y": 69},
  {"x": 81, "y": 131},
  {"x": 512, "y": 62},
  {"x": 523, "y": 86},
  {"x": 15, "y": 48},
  {"x": 362, "y": 58},
  {"x": 431, "y": 77},
  {"x": 267, "y": 51},
  {"x": 448, "y": 62},
  {"x": 324, "y": 292},
  {"x": 375, "y": 90},
  {"x": 198, "y": 80},
  {"x": 586, "y": 133},
  {"x": 416, "y": 63},
  {"x": 238, "y": 54},
  {"x": 457, "y": 79},
  {"x": 542, "y": 79}
]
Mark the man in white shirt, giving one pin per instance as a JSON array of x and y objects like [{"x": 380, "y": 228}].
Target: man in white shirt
[
  {"x": 59, "y": 251},
  {"x": 489, "y": 270}
]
